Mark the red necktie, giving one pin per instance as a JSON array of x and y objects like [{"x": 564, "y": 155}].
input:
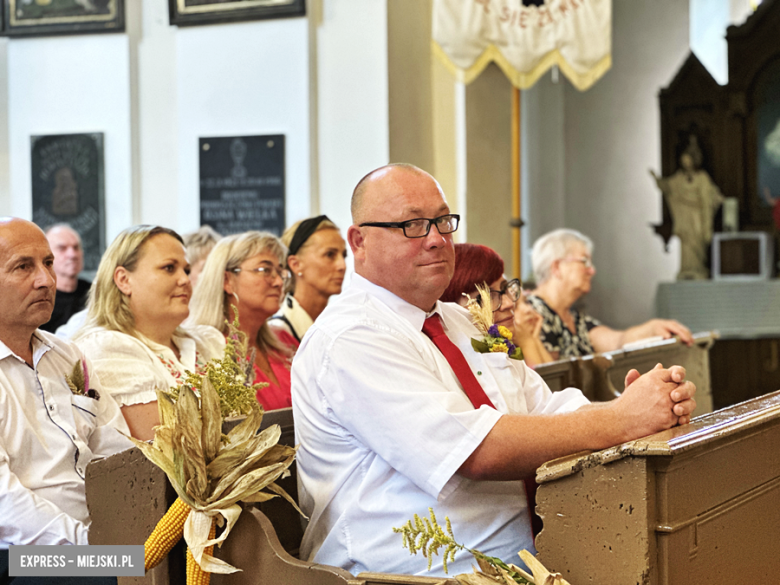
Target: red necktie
[{"x": 433, "y": 329}]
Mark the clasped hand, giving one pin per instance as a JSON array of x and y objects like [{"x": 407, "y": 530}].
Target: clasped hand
[{"x": 656, "y": 401}]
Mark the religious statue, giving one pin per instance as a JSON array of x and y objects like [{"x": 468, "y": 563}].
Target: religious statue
[{"x": 693, "y": 199}]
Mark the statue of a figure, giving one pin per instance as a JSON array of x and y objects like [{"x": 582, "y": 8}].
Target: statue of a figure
[{"x": 693, "y": 199}]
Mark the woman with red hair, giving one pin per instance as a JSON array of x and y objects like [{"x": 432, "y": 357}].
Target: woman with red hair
[{"x": 476, "y": 264}]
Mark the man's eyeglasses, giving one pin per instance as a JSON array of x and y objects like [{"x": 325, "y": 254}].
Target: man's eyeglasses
[
  {"x": 420, "y": 226},
  {"x": 513, "y": 289},
  {"x": 267, "y": 272},
  {"x": 587, "y": 262}
]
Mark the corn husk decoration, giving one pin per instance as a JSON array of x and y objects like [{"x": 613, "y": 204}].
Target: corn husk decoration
[
  {"x": 212, "y": 472},
  {"x": 490, "y": 574},
  {"x": 426, "y": 535}
]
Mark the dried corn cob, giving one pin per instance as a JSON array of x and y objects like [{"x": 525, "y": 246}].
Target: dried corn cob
[
  {"x": 166, "y": 534},
  {"x": 196, "y": 575}
]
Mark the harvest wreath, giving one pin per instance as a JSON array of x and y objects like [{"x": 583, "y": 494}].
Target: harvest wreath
[{"x": 210, "y": 471}]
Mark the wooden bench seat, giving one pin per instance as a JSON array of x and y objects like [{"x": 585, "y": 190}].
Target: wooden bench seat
[{"x": 127, "y": 495}]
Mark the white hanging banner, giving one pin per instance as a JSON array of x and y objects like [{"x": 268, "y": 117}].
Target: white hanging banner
[{"x": 524, "y": 39}]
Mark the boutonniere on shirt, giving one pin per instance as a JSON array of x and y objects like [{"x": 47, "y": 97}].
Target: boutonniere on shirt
[
  {"x": 78, "y": 380},
  {"x": 495, "y": 338}
]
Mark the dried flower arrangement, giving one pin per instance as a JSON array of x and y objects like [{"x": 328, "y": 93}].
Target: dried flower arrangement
[
  {"x": 496, "y": 339},
  {"x": 211, "y": 472}
]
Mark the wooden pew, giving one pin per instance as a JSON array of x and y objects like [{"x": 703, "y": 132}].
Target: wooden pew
[
  {"x": 600, "y": 376},
  {"x": 127, "y": 495},
  {"x": 698, "y": 504}
]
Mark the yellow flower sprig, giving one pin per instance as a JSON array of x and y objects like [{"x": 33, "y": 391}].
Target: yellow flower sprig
[
  {"x": 231, "y": 376},
  {"x": 427, "y": 536}
]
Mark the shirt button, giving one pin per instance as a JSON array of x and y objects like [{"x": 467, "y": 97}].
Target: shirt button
[
  {"x": 81, "y": 471},
  {"x": 73, "y": 437},
  {"x": 51, "y": 407}
]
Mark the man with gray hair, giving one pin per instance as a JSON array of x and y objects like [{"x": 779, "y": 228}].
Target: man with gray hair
[
  {"x": 395, "y": 411},
  {"x": 55, "y": 417},
  {"x": 72, "y": 291},
  {"x": 563, "y": 267}
]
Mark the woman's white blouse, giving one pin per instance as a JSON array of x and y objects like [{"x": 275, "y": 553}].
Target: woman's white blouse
[{"x": 131, "y": 369}]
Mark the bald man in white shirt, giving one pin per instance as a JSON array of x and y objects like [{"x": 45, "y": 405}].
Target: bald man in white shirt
[
  {"x": 49, "y": 432},
  {"x": 385, "y": 426}
]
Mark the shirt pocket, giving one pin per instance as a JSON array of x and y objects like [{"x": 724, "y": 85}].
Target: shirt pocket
[
  {"x": 85, "y": 414},
  {"x": 496, "y": 360}
]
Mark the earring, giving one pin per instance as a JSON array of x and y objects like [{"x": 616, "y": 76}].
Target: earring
[
  {"x": 235, "y": 296},
  {"x": 300, "y": 274}
]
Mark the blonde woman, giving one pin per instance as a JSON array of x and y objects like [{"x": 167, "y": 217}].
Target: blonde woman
[
  {"x": 316, "y": 259},
  {"x": 133, "y": 332},
  {"x": 245, "y": 272}
]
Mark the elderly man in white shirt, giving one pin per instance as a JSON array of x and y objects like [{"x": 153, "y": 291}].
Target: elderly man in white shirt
[
  {"x": 385, "y": 426},
  {"x": 49, "y": 432}
]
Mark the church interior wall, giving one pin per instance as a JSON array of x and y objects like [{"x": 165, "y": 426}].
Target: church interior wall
[
  {"x": 611, "y": 140},
  {"x": 353, "y": 86},
  {"x": 71, "y": 85},
  {"x": 155, "y": 89}
]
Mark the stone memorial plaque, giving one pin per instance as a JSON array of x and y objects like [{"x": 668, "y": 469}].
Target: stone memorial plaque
[
  {"x": 68, "y": 187},
  {"x": 242, "y": 183}
]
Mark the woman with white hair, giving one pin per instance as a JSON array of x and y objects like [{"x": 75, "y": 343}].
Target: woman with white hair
[
  {"x": 133, "y": 332},
  {"x": 563, "y": 267},
  {"x": 244, "y": 272}
]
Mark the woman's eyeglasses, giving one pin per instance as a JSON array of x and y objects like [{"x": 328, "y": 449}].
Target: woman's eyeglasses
[
  {"x": 513, "y": 289},
  {"x": 268, "y": 272},
  {"x": 587, "y": 262}
]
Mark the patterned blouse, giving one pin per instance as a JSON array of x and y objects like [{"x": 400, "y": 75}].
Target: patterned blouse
[{"x": 557, "y": 337}]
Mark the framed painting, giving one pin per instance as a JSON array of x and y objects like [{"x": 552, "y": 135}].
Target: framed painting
[
  {"x": 68, "y": 187},
  {"x": 195, "y": 12},
  {"x": 59, "y": 17}
]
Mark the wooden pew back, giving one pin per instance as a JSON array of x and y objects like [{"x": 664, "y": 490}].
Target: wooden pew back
[
  {"x": 698, "y": 504},
  {"x": 600, "y": 376}
]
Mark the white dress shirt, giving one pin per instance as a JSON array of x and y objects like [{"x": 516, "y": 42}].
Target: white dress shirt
[
  {"x": 384, "y": 425},
  {"x": 48, "y": 436},
  {"x": 131, "y": 369}
]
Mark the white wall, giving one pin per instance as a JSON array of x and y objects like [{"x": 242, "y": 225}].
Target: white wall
[
  {"x": 67, "y": 85},
  {"x": 5, "y": 183},
  {"x": 353, "y": 99},
  {"x": 243, "y": 79},
  {"x": 708, "y": 21},
  {"x": 154, "y": 90},
  {"x": 612, "y": 138},
  {"x": 543, "y": 164}
]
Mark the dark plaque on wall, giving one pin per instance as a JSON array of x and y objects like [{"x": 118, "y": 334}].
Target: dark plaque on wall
[
  {"x": 242, "y": 183},
  {"x": 67, "y": 187}
]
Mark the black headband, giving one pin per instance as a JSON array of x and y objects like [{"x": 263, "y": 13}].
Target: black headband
[{"x": 304, "y": 232}]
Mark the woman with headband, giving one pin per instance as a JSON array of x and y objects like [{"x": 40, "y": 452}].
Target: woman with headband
[{"x": 316, "y": 261}]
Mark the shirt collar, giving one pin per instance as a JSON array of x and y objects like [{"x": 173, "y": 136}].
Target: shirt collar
[
  {"x": 39, "y": 347},
  {"x": 300, "y": 319},
  {"x": 414, "y": 315}
]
